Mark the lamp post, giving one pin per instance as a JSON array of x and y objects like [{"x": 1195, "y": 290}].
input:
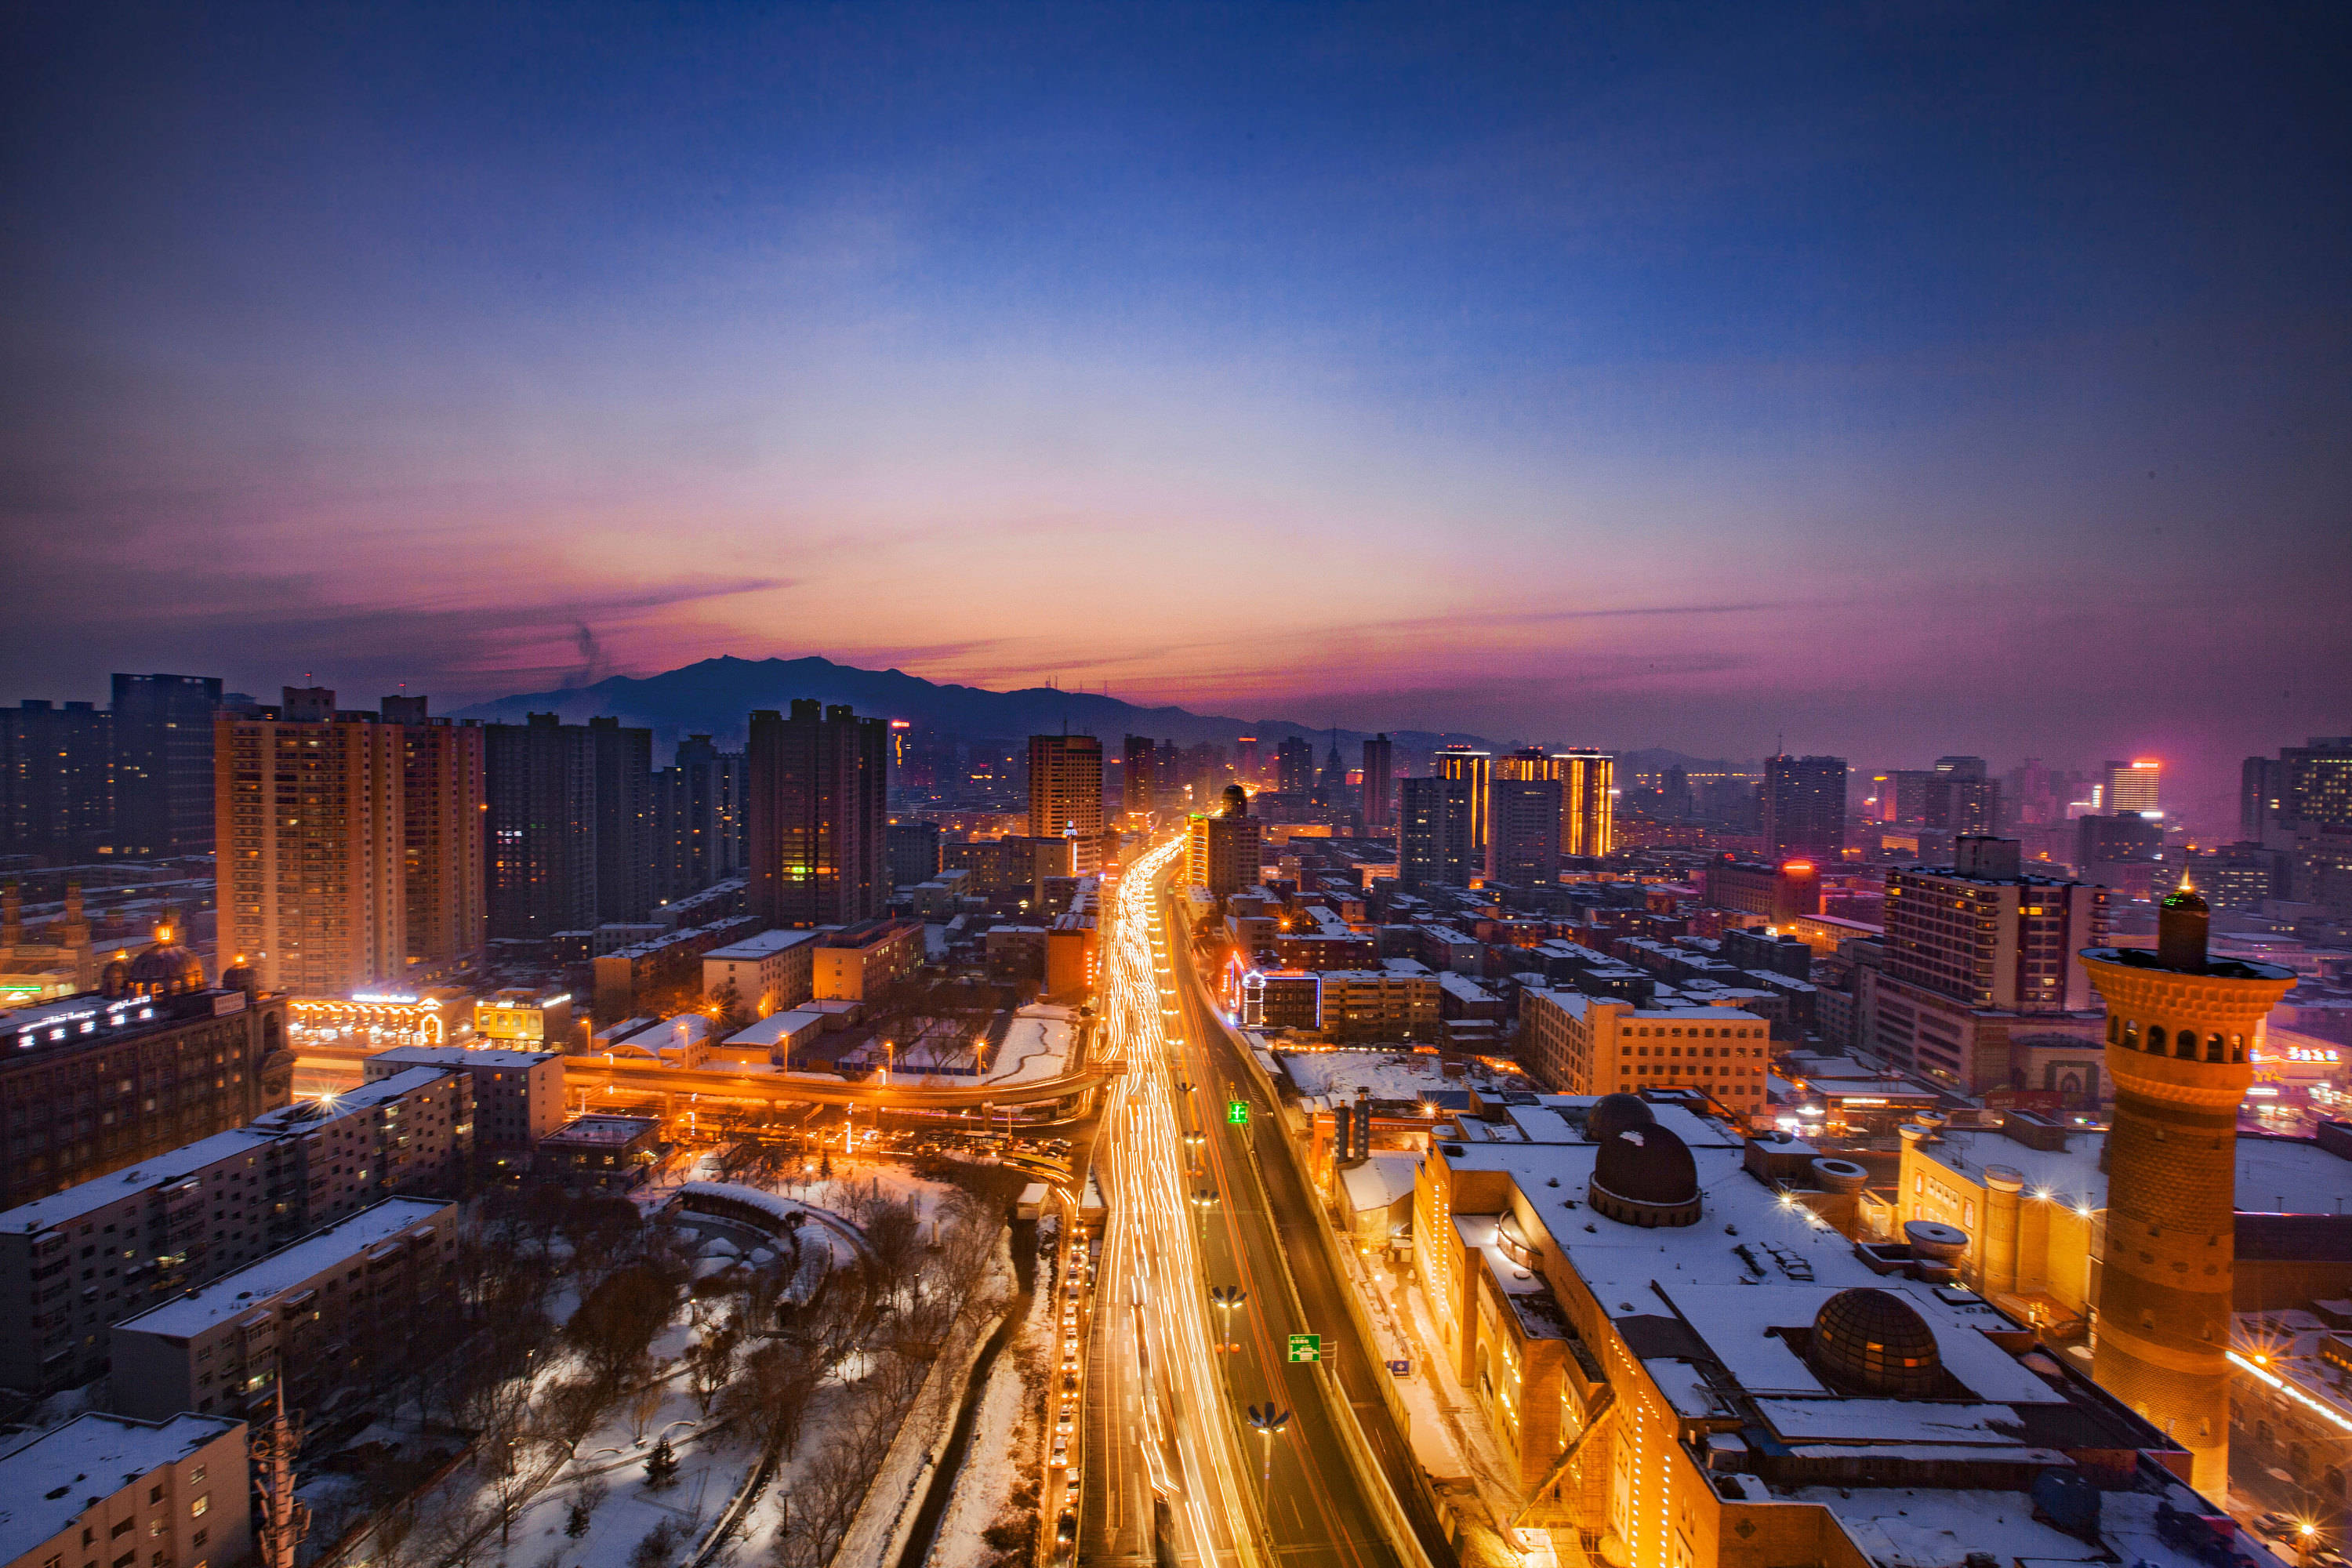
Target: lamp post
[
  {"x": 1227, "y": 1298},
  {"x": 1204, "y": 1199},
  {"x": 1267, "y": 1420}
]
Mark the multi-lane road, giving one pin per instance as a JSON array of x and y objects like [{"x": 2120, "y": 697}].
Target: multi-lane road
[{"x": 1174, "y": 1471}]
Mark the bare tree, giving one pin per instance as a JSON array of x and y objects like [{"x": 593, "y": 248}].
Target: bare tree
[
  {"x": 619, "y": 1318},
  {"x": 643, "y": 1406},
  {"x": 710, "y": 1362}
]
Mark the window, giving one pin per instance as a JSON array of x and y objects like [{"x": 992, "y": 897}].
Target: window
[{"x": 202, "y": 1506}]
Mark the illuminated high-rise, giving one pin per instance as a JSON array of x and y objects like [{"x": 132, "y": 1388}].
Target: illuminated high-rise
[
  {"x": 2132, "y": 787},
  {"x": 1294, "y": 766},
  {"x": 1065, "y": 797},
  {"x": 1467, "y": 765},
  {"x": 1804, "y": 808},
  {"x": 2181, "y": 1033},
  {"x": 350, "y": 846},
  {"x": 1379, "y": 784},
  {"x": 1138, "y": 774},
  {"x": 1588, "y": 801},
  {"x": 817, "y": 807},
  {"x": 1433, "y": 817}
]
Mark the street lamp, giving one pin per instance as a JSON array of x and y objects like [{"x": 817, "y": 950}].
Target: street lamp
[
  {"x": 1204, "y": 1199},
  {"x": 1227, "y": 1298},
  {"x": 1267, "y": 1420}
]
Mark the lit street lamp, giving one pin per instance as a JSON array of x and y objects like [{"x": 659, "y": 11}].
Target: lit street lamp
[
  {"x": 1204, "y": 1199},
  {"x": 1227, "y": 1298},
  {"x": 1267, "y": 1420}
]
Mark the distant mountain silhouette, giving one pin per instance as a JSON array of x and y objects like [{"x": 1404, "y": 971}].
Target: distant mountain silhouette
[{"x": 714, "y": 695}]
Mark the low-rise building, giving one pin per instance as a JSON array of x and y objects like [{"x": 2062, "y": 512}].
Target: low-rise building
[
  {"x": 858, "y": 962},
  {"x": 335, "y": 1306},
  {"x": 518, "y": 1096},
  {"x": 1373, "y": 1004},
  {"x": 77, "y": 1261},
  {"x": 1577, "y": 1044},
  {"x": 526, "y": 1021},
  {"x": 169, "y": 1493},
  {"x": 771, "y": 972},
  {"x": 607, "y": 1153},
  {"x": 1682, "y": 1366}
]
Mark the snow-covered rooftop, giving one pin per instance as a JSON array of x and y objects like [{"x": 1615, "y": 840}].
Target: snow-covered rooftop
[
  {"x": 90, "y": 1458},
  {"x": 2276, "y": 1176},
  {"x": 256, "y": 1283},
  {"x": 86, "y": 1197}
]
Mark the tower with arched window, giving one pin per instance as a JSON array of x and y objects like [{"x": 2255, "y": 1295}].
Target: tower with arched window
[{"x": 2181, "y": 1029}]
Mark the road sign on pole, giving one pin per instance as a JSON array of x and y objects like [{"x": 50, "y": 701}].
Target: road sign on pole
[
  {"x": 1238, "y": 1112},
  {"x": 1306, "y": 1347}
]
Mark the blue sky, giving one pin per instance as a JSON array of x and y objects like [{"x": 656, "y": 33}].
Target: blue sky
[{"x": 1906, "y": 379}]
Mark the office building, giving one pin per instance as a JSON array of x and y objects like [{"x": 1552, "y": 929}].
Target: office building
[
  {"x": 1246, "y": 761},
  {"x": 819, "y": 815},
  {"x": 1434, "y": 828},
  {"x": 770, "y": 972},
  {"x": 861, "y": 962},
  {"x": 76, "y": 1261},
  {"x": 2132, "y": 788},
  {"x": 164, "y": 763},
  {"x": 914, "y": 853},
  {"x": 2242, "y": 876},
  {"x": 1778, "y": 893},
  {"x": 698, "y": 826},
  {"x": 1523, "y": 818},
  {"x": 1985, "y": 932},
  {"x": 1065, "y": 796},
  {"x": 1804, "y": 808},
  {"x": 2178, "y": 1029},
  {"x": 1576, "y": 1044},
  {"x": 346, "y": 860},
  {"x": 621, "y": 765},
  {"x": 1688, "y": 1368},
  {"x": 91, "y": 1083},
  {"x": 1588, "y": 802},
  {"x": 1477, "y": 770},
  {"x": 1222, "y": 853},
  {"x": 1294, "y": 766},
  {"x": 1013, "y": 864},
  {"x": 342, "y": 1303},
  {"x": 57, "y": 782},
  {"x": 1379, "y": 785},
  {"x": 1138, "y": 779},
  {"x": 169, "y": 1493},
  {"x": 2300, "y": 803},
  {"x": 522, "y": 1020},
  {"x": 1370, "y": 1007},
  {"x": 2104, "y": 842}
]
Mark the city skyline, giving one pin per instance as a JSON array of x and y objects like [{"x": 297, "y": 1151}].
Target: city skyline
[{"x": 1899, "y": 386}]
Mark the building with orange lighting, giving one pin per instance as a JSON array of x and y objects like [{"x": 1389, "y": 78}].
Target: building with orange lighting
[
  {"x": 2134, "y": 788},
  {"x": 351, "y": 844},
  {"x": 1684, "y": 1365},
  {"x": 1577, "y": 1044},
  {"x": 1474, "y": 770},
  {"x": 1777, "y": 893},
  {"x": 1065, "y": 796}
]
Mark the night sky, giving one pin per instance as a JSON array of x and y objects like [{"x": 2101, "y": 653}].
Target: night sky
[{"x": 1901, "y": 379}]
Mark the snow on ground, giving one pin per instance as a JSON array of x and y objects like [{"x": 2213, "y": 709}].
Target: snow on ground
[
  {"x": 1003, "y": 1450},
  {"x": 1389, "y": 1075}
]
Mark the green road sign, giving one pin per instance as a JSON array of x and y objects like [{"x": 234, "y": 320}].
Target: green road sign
[
  {"x": 1306, "y": 1347},
  {"x": 1238, "y": 1112}
]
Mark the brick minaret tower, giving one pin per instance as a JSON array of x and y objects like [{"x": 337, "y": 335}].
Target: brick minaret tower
[{"x": 2180, "y": 1034}]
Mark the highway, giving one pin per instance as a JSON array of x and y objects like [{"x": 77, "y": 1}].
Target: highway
[{"x": 1173, "y": 1472}]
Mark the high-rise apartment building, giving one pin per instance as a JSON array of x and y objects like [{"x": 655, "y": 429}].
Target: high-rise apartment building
[
  {"x": 164, "y": 763},
  {"x": 1065, "y": 795},
  {"x": 542, "y": 792},
  {"x": 1222, "y": 851},
  {"x": 1588, "y": 801},
  {"x": 345, "y": 860},
  {"x": 698, "y": 829},
  {"x": 1294, "y": 766},
  {"x": 56, "y": 781},
  {"x": 1331, "y": 783},
  {"x": 2132, "y": 787},
  {"x": 1474, "y": 769},
  {"x": 1523, "y": 819},
  {"x": 1138, "y": 774},
  {"x": 621, "y": 761},
  {"x": 1804, "y": 808},
  {"x": 1379, "y": 784},
  {"x": 1985, "y": 932},
  {"x": 1246, "y": 761},
  {"x": 2300, "y": 803},
  {"x": 1434, "y": 823},
  {"x": 818, "y": 806},
  {"x": 2179, "y": 1032}
]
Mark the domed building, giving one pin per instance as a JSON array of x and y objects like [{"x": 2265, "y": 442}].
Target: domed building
[
  {"x": 1645, "y": 1176},
  {"x": 1871, "y": 1341},
  {"x": 165, "y": 968},
  {"x": 1613, "y": 1113}
]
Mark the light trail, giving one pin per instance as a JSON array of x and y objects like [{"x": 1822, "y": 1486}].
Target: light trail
[{"x": 1152, "y": 1266}]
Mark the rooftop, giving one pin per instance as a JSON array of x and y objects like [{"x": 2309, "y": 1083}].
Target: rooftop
[
  {"x": 600, "y": 1132},
  {"x": 303, "y": 1113},
  {"x": 2276, "y": 1176},
  {"x": 474, "y": 1058},
  {"x": 258, "y": 1283},
  {"x": 88, "y": 1197},
  {"x": 767, "y": 945},
  {"x": 46, "y": 1481}
]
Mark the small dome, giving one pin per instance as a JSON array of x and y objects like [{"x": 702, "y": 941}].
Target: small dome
[
  {"x": 1236, "y": 801},
  {"x": 1869, "y": 1341},
  {"x": 166, "y": 969},
  {"x": 1645, "y": 1176},
  {"x": 1613, "y": 1113}
]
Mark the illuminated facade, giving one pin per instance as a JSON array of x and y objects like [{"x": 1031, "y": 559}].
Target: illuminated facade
[
  {"x": 1476, "y": 769},
  {"x": 1065, "y": 797},
  {"x": 1589, "y": 1045},
  {"x": 818, "y": 813},
  {"x": 1588, "y": 802},
  {"x": 351, "y": 846},
  {"x": 2180, "y": 1033},
  {"x": 2133, "y": 789}
]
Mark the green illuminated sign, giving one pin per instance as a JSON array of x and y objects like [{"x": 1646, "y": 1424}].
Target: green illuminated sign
[
  {"x": 1238, "y": 1112},
  {"x": 1306, "y": 1347}
]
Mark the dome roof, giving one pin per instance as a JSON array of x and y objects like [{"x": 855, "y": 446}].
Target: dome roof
[
  {"x": 1872, "y": 1342},
  {"x": 164, "y": 969},
  {"x": 1613, "y": 1113},
  {"x": 1647, "y": 1164}
]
